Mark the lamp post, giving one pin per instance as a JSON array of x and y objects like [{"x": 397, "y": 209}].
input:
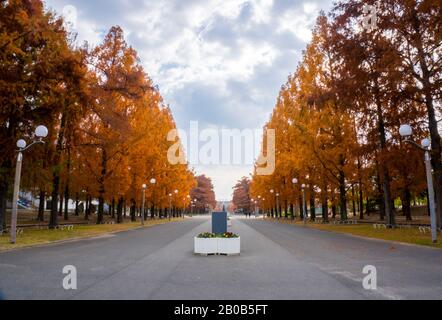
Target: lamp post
[
  {"x": 272, "y": 192},
  {"x": 40, "y": 132},
  {"x": 263, "y": 207},
  {"x": 303, "y": 203},
  {"x": 153, "y": 182},
  {"x": 170, "y": 205},
  {"x": 186, "y": 207},
  {"x": 295, "y": 182},
  {"x": 144, "y": 187},
  {"x": 176, "y": 193},
  {"x": 406, "y": 132},
  {"x": 142, "y": 203},
  {"x": 252, "y": 206},
  {"x": 278, "y": 213}
]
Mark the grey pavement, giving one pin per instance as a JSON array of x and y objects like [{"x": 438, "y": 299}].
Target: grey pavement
[{"x": 277, "y": 262}]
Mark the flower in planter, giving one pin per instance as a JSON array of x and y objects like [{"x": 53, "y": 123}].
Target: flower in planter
[
  {"x": 208, "y": 235},
  {"x": 229, "y": 235}
]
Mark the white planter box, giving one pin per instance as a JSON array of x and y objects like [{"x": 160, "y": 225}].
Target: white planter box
[
  {"x": 218, "y": 246},
  {"x": 206, "y": 246},
  {"x": 229, "y": 246}
]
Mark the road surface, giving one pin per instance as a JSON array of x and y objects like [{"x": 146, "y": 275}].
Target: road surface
[{"x": 277, "y": 262}]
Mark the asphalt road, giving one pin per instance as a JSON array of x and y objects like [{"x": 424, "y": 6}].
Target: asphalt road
[{"x": 277, "y": 262}]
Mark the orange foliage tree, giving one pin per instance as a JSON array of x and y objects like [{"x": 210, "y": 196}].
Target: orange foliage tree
[
  {"x": 338, "y": 115},
  {"x": 108, "y": 124}
]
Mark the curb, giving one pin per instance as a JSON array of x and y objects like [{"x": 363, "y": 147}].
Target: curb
[
  {"x": 97, "y": 236},
  {"x": 370, "y": 239}
]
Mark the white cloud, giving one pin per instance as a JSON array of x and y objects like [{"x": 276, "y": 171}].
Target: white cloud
[
  {"x": 262, "y": 11},
  {"x": 310, "y": 7},
  {"x": 221, "y": 62},
  {"x": 298, "y": 23}
]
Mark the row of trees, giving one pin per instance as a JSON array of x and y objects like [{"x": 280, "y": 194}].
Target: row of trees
[
  {"x": 203, "y": 195},
  {"x": 108, "y": 124},
  {"x": 337, "y": 118},
  {"x": 242, "y": 199}
]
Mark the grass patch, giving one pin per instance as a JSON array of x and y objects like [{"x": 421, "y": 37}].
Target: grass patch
[
  {"x": 411, "y": 236},
  {"x": 33, "y": 237}
]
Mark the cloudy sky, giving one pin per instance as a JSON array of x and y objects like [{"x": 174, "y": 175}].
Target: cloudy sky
[{"x": 218, "y": 62}]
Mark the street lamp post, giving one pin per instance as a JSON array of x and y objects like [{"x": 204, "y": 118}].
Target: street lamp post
[
  {"x": 153, "y": 182},
  {"x": 406, "y": 132},
  {"x": 278, "y": 209},
  {"x": 144, "y": 187},
  {"x": 142, "y": 204},
  {"x": 170, "y": 205},
  {"x": 295, "y": 182},
  {"x": 186, "y": 207},
  {"x": 176, "y": 193},
  {"x": 272, "y": 192},
  {"x": 252, "y": 206},
  {"x": 263, "y": 207},
  {"x": 41, "y": 132},
  {"x": 304, "y": 204}
]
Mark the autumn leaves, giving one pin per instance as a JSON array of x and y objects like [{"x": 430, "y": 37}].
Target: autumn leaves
[
  {"x": 122, "y": 144},
  {"x": 108, "y": 123},
  {"x": 337, "y": 117}
]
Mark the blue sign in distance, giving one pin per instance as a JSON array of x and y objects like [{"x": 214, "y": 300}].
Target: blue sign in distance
[{"x": 219, "y": 222}]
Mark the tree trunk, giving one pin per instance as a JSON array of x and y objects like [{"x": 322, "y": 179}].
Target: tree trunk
[
  {"x": 3, "y": 196},
  {"x": 54, "y": 201},
  {"x": 41, "y": 206},
  {"x": 152, "y": 212},
  {"x": 57, "y": 169},
  {"x": 342, "y": 196},
  {"x": 353, "y": 197},
  {"x": 120, "y": 210},
  {"x": 406, "y": 204},
  {"x": 145, "y": 212},
  {"x": 306, "y": 208},
  {"x": 324, "y": 200},
  {"x": 100, "y": 213},
  {"x": 66, "y": 190},
  {"x": 312, "y": 206},
  {"x": 380, "y": 198},
  {"x": 360, "y": 192},
  {"x": 102, "y": 191},
  {"x": 87, "y": 210},
  {"x": 325, "y": 208},
  {"x": 367, "y": 204},
  {"x": 66, "y": 202},
  {"x": 60, "y": 209},
  {"x": 301, "y": 208},
  {"x": 77, "y": 201},
  {"x": 436, "y": 144},
  {"x": 133, "y": 209},
  {"x": 113, "y": 209},
  {"x": 385, "y": 175}
]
